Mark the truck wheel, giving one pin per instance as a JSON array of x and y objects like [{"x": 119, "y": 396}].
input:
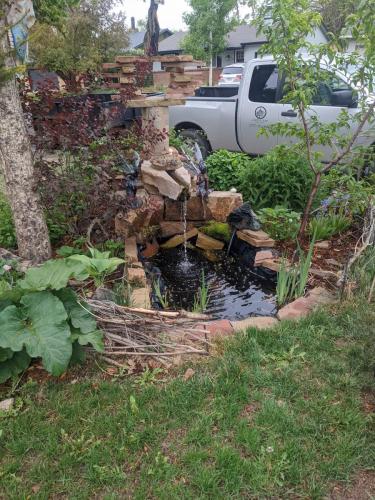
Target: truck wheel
[{"x": 192, "y": 136}]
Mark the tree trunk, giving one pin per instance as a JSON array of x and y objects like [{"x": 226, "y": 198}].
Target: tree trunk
[
  {"x": 151, "y": 41},
  {"x": 17, "y": 162},
  {"x": 306, "y": 214}
]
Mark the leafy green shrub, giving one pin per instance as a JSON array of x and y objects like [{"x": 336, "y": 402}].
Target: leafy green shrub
[
  {"x": 218, "y": 230},
  {"x": 7, "y": 231},
  {"x": 280, "y": 222},
  {"x": 41, "y": 317},
  {"x": 343, "y": 193},
  {"x": 280, "y": 178},
  {"x": 324, "y": 227},
  {"x": 224, "y": 168}
]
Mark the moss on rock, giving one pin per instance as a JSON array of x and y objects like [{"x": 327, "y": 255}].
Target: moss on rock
[{"x": 218, "y": 230}]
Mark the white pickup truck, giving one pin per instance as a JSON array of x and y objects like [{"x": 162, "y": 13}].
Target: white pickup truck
[{"x": 233, "y": 122}]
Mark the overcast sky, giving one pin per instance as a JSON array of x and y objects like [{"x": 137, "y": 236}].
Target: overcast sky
[{"x": 170, "y": 14}]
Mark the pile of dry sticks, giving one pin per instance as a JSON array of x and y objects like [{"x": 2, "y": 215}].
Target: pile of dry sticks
[{"x": 142, "y": 332}]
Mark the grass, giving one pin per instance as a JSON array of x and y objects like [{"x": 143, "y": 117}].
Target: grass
[{"x": 278, "y": 414}]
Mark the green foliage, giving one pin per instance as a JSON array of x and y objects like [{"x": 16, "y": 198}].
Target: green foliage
[
  {"x": 209, "y": 23},
  {"x": 98, "y": 265},
  {"x": 280, "y": 222},
  {"x": 218, "y": 230},
  {"x": 202, "y": 297},
  {"x": 89, "y": 35},
  {"x": 292, "y": 279},
  {"x": 341, "y": 192},
  {"x": 324, "y": 227},
  {"x": 42, "y": 318},
  {"x": 53, "y": 11},
  {"x": 224, "y": 169},
  {"x": 280, "y": 178},
  {"x": 7, "y": 231}
]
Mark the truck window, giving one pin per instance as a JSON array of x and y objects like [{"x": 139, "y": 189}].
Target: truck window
[
  {"x": 263, "y": 86},
  {"x": 325, "y": 90}
]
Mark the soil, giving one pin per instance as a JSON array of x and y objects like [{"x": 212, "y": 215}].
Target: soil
[{"x": 361, "y": 488}]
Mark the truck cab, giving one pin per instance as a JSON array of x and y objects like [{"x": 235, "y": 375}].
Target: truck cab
[{"x": 234, "y": 122}]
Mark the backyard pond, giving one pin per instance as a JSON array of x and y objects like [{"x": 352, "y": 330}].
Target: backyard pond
[{"x": 235, "y": 290}]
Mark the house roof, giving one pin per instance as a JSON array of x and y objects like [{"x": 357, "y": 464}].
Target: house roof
[
  {"x": 136, "y": 38},
  {"x": 172, "y": 43},
  {"x": 242, "y": 35},
  {"x": 245, "y": 34}
]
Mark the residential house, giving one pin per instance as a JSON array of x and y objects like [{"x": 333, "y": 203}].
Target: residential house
[
  {"x": 243, "y": 44},
  {"x": 136, "y": 38}
]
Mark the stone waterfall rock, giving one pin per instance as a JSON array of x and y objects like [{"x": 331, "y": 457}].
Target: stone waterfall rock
[
  {"x": 182, "y": 176},
  {"x": 196, "y": 210},
  {"x": 161, "y": 180},
  {"x": 171, "y": 228},
  {"x": 222, "y": 203}
]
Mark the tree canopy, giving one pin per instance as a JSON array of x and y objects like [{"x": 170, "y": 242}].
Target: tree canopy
[
  {"x": 209, "y": 23},
  {"x": 89, "y": 35}
]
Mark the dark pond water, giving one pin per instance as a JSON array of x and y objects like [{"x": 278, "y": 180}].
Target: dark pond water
[{"x": 236, "y": 292}]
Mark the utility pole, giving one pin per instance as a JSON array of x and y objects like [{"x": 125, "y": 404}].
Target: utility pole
[{"x": 210, "y": 78}]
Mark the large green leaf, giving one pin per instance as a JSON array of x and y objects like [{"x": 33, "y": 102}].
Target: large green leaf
[
  {"x": 78, "y": 314},
  {"x": 53, "y": 275},
  {"x": 78, "y": 355},
  {"x": 5, "y": 354},
  {"x": 14, "y": 366},
  {"x": 93, "y": 338},
  {"x": 94, "y": 265},
  {"x": 41, "y": 327},
  {"x": 12, "y": 328}
]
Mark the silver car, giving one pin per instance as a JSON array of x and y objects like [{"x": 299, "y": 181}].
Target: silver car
[{"x": 232, "y": 75}]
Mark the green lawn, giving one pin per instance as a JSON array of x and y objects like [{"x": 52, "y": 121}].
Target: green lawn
[{"x": 278, "y": 415}]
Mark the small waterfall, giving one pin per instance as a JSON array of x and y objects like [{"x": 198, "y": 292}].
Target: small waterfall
[{"x": 184, "y": 209}]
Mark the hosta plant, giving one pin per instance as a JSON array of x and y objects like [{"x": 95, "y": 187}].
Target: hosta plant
[{"x": 41, "y": 317}]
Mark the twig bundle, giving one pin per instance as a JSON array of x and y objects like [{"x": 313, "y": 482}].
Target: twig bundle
[{"x": 142, "y": 332}]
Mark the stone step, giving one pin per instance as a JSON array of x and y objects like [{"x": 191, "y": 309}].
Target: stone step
[
  {"x": 180, "y": 239},
  {"x": 208, "y": 243},
  {"x": 256, "y": 240}
]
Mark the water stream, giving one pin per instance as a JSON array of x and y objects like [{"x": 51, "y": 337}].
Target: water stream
[{"x": 185, "y": 263}]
